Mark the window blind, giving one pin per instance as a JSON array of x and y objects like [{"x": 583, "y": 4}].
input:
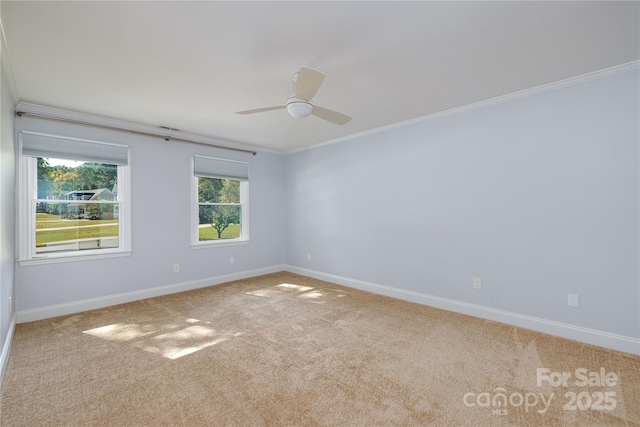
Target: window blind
[
  {"x": 41, "y": 145},
  {"x": 223, "y": 169}
]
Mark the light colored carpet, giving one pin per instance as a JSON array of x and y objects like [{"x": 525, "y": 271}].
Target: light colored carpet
[{"x": 287, "y": 350}]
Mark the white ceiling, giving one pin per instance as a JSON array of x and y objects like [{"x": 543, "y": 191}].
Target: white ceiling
[{"x": 192, "y": 65}]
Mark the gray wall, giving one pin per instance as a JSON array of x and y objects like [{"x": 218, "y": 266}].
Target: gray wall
[
  {"x": 161, "y": 209},
  {"x": 7, "y": 213},
  {"x": 537, "y": 196}
]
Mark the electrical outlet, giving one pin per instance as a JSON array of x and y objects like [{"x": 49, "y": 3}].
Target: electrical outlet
[
  {"x": 232, "y": 260},
  {"x": 176, "y": 268},
  {"x": 477, "y": 283},
  {"x": 573, "y": 300},
  {"x": 308, "y": 256},
  {"x": 10, "y": 305}
]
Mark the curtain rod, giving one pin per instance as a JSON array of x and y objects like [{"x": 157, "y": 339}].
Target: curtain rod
[{"x": 154, "y": 135}]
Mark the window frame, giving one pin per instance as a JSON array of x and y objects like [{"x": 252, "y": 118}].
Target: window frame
[
  {"x": 196, "y": 243},
  {"x": 27, "y": 200}
]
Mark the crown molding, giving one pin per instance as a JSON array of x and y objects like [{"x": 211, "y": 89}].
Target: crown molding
[{"x": 634, "y": 65}]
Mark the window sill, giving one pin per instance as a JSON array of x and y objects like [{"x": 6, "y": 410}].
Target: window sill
[
  {"x": 72, "y": 258},
  {"x": 217, "y": 243}
]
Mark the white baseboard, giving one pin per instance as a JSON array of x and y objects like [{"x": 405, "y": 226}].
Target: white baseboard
[
  {"x": 6, "y": 348},
  {"x": 563, "y": 330},
  {"x": 109, "y": 300}
]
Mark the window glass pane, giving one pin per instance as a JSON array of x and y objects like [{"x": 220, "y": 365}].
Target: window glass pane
[
  {"x": 209, "y": 190},
  {"x": 215, "y": 190},
  {"x": 72, "y": 180},
  {"x": 219, "y": 222},
  {"x": 76, "y": 226},
  {"x": 230, "y": 191},
  {"x": 76, "y": 206}
]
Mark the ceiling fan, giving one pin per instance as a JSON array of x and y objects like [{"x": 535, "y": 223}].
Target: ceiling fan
[{"x": 306, "y": 83}]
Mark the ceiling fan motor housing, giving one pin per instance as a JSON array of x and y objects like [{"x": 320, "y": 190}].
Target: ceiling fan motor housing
[{"x": 299, "y": 108}]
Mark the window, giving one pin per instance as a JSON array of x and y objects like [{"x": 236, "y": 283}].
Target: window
[
  {"x": 72, "y": 198},
  {"x": 220, "y": 192}
]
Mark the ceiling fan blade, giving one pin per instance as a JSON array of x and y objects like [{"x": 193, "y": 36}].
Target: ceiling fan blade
[
  {"x": 262, "y": 110},
  {"x": 308, "y": 83},
  {"x": 330, "y": 115}
]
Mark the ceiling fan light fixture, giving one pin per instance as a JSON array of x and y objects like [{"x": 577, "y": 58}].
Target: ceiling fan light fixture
[
  {"x": 306, "y": 82},
  {"x": 299, "y": 108}
]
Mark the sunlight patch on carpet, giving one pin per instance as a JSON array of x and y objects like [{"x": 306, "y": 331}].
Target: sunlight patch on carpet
[
  {"x": 171, "y": 345},
  {"x": 307, "y": 293},
  {"x": 314, "y": 294},
  {"x": 120, "y": 331},
  {"x": 279, "y": 290},
  {"x": 174, "y": 345},
  {"x": 294, "y": 287}
]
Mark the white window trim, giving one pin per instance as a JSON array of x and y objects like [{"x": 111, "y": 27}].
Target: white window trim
[
  {"x": 195, "y": 214},
  {"x": 27, "y": 184}
]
